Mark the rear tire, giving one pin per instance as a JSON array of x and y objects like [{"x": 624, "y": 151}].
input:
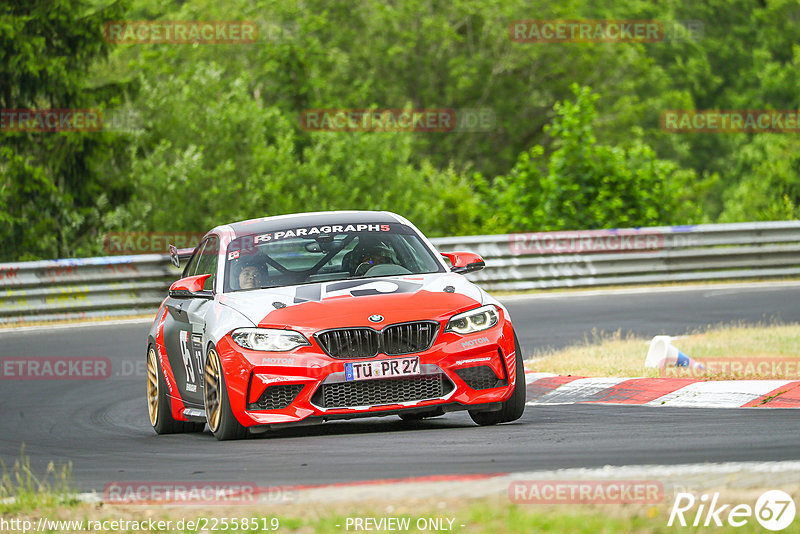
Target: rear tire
[
  {"x": 512, "y": 408},
  {"x": 159, "y": 408},
  {"x": 220, "y": 418}
]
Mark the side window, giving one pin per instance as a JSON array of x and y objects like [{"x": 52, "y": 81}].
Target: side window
[
  {"x": 208, "y": 261},
  {"x": 190, "y": 268}
]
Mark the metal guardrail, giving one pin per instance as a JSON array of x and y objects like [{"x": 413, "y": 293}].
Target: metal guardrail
[
  {"x": 650, "y": 255},
  {"x": 83, "y": 288},
  {"x": 130, "y": 285}
]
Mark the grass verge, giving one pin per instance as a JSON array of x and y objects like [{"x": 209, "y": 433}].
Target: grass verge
[
  {"x": 495, "y": 515},
  {"x": 616, "y": 355},
  {"x": 47, "y": 504},
  {"x": 22, "y": 490}
]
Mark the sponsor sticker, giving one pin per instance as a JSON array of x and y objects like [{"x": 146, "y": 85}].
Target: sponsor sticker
[
  {"x": 475, "y": 342},
  {"x": 277, "y": 361},
  {"x": 310, "y": 231}
]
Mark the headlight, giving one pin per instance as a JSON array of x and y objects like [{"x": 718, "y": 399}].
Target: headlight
[
  {"x": 476, "y": 320},
  {"x": 268, "y": 339}
]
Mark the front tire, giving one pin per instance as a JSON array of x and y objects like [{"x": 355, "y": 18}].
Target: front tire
[
  {"x": 220, "y": 418},
  {"x": 513, "y": 407},
  {"x": 158, "y": 404}
]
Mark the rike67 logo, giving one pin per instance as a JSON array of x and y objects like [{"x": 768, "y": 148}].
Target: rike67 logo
[{"x": 774, "y": 510}]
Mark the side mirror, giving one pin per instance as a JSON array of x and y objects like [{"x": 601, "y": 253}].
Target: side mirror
[
  {"x": 177, "y": 254},
  {"x": 173, "y": 255},
  {"x": 464, "y": 262},
  {"x": 191, "y": 287}
]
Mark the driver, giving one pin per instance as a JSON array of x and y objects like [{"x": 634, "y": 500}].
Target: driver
[
  {"x": 252, "y": 273},
  {"x": 373, "y": 254}
]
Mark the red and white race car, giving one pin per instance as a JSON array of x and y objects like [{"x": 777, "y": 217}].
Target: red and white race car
[{"x": 301, "y": 319}]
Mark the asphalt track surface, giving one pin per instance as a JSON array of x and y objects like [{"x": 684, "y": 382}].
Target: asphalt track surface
[{"x": 101, "y": 426}]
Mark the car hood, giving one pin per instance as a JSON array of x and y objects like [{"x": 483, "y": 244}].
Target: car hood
[{"x": 351, "y": 302}]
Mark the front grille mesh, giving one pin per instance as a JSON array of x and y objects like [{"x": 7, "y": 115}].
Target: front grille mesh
[
  {"x": 394, "y": 340},
  {"x": 381, "y": 391},
  {"x": 276, "y": 397},
  {"x": 480, "y": 377},
  {"x": 346, "y": 343},
  {"x": 408, "y": 338}
]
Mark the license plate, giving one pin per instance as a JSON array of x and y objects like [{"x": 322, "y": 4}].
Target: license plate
[{"x": 381, "y": 368}]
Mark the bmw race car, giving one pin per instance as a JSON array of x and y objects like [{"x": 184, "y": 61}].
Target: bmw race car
[{"x": 300, "y": 319}]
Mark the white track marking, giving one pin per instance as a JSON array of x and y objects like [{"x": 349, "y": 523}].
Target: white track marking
[
  {"x": 718, "y": 393},
  {"x": 580, "y": 389}
]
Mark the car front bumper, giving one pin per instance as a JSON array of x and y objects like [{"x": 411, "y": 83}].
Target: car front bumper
[{"x": 306, "y": 386}]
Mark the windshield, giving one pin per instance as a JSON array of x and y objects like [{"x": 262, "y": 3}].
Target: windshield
[{"x": 325, "y": 253}]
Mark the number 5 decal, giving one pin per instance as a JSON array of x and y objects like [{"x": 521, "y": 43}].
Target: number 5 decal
[
  {"x": 186, "y": 354},
  {"x": 197, "y": 345}
]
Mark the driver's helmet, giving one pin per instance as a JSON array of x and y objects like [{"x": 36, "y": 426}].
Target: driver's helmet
[{"x": 375, "y": 254}]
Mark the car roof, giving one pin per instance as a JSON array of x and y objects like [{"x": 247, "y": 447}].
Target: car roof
[{"x": 317, "y": 218}]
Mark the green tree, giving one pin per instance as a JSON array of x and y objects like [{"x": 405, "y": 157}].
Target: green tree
[
  {"x": 218, "y": 128},
  {"x": 217, "y": 154},
  {"x": 51, "y": 194},
  {"x": 769, "y": 187},
  {"x": 585, "y": 184}
]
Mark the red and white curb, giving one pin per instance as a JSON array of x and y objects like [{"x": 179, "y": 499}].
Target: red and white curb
[{"x": 550, "y": 389}]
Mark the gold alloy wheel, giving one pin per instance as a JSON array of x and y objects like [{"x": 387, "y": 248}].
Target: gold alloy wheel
[
  {"x": 152, "y": 385},
  {"x": 212, "y": 391}
]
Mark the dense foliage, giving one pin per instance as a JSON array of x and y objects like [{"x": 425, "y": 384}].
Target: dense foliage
[{"x": 209, "y": 133}]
